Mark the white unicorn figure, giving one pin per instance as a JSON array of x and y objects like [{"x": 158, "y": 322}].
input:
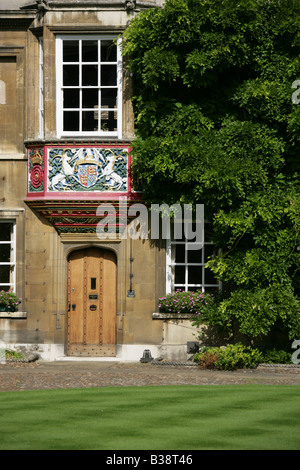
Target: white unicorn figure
[
  {"x": 110, "y": 175},
  {"x": 67, "y": 170}
]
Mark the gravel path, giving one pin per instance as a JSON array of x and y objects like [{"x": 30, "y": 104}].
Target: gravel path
[{"x": 41, "y": 375}]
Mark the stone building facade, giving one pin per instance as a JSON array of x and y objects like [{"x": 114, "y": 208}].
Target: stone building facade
[{"x": 66, "y": 124}]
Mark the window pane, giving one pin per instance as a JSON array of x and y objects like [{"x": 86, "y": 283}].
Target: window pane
[
  {"x": 89, "y": 75},
  {"x": 71, "y": 75},
  {"x": 5, "y": 232},
  {"x": 89, "y": 51},
  {"x": 90, "y": 98},
  {"x": 109, "y": 98},
  {"x": 179, "y": 274},
  {"x": 71, "y": 51},
  {"x": 179, "y": 253},
  {"x": 71, "y": 98},
  {"x": 109, "y": 121},
  {"x": 71, "y": 121},
  {"x": 4, "y": 276},
  {"x": 209, "y": 277},
  {"x": 5, "y": 253},
  {"x": 194, "y": 256},
  {"x": 194, "y": 275},
  {"x": 108, "y": 51},
  {"x": 89, "y": 121},
  {"x": 108, "y": 75}
]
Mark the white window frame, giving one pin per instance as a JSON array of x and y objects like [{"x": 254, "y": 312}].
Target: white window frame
[
  {"x": 12, "y": 263},
  {"x": 170, "y": 271},
  {"x": 59, "y": 89}
]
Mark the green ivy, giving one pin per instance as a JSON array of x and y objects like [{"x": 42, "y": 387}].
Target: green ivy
[{"x": 216, "y": 125}]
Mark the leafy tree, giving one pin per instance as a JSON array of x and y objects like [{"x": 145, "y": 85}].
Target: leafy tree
[{"x": 216, "y": 124}]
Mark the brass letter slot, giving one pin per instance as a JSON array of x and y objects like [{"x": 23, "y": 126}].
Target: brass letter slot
[{"x": 93, "y": 297}]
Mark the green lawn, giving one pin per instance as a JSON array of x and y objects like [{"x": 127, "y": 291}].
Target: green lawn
[{"x": 152, "y": 418}]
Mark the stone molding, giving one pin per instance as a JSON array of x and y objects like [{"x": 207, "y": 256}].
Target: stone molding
[
  {"x": 13, "y": 315},
  {"x": 54, "y": 5},
  {"x": 172, "y": 316}
]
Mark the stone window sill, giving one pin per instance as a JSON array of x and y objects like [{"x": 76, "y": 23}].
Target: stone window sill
[
  {"x": 13, "y": 315},
  {"x": 172, "y": 316}
]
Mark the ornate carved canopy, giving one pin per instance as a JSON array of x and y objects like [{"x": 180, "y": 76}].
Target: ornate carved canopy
[{"x": 75, "y": 186}]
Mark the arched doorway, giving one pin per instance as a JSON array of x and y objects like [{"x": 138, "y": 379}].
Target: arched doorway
[{"x": 92, "y": 296}]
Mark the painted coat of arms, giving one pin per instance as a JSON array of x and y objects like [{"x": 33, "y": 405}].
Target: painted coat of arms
[{"x": 88, "y": 169}]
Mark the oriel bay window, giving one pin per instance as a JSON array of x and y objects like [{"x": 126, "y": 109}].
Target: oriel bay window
[{"x": 89, "y": 86}]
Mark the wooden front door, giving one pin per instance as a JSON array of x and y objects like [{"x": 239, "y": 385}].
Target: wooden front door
[{"x": 92, "y": 294}]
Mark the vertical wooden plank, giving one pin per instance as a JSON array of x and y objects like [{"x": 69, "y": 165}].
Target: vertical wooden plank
[{"x": 93, "y": 316}]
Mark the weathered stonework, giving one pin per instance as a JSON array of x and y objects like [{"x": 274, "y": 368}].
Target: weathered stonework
[{"x": 51, "y": 188}]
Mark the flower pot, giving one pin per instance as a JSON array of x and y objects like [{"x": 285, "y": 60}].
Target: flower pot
[{"x": 3, "y": 308}]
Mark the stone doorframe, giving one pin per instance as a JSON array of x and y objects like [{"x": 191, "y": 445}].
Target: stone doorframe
[{"x": 80, "y": 241}]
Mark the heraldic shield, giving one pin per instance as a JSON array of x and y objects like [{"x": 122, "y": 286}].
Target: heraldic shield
[{"x": 87, "y": 174}]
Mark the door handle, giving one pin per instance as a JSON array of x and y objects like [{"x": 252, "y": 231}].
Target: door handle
[{"x": 73, "y": 307}]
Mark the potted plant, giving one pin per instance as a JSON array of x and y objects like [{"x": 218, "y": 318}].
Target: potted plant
[
  {"x": 9, "y": 301},
  {"x": 184, "y": 302}
]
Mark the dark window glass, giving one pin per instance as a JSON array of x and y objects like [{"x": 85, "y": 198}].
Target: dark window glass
[
  {"x": 109, "y": 98},
  {"x": 194, "y": 256},
  {"x": 179, "y": 274},
  {"x": 71, "y": 121},
  {"x": 5, "y": 232},
  {"x": 4, "y": 276},
  {"x": 108, "y": 75},
  {"x": 70, "y": 51},
  {"x": 108, "y": 51},
  {"x": 89, "y": 75},
  {"x": 179, "y": 253},
  {"x": 109, "y": 121},
  {"x": 71, "y": 98},
  {"x": 209, "y": 277},
  {"x": 93, "y": 283},
  {"x": 89, "y": 98},
  {"x": 5, "y": 253},
  {"x": 89, "y": 121},
  {"x": 89, "y": 51},
  {"x": 71, "y": 75},
  {"x": 194, "y": 275}
]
